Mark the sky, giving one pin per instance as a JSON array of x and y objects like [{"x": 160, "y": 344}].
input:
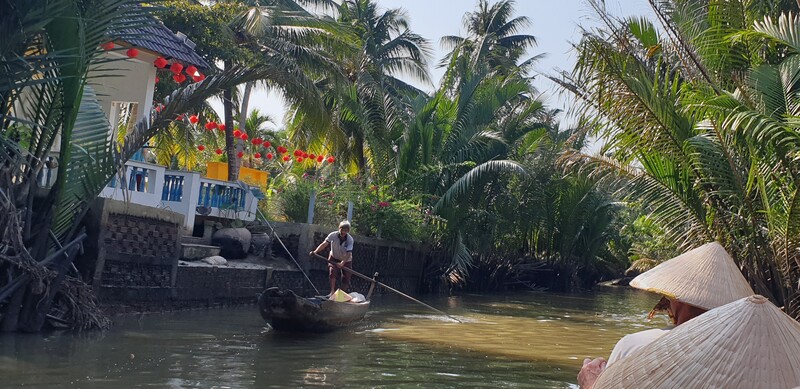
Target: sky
[{"x": 555, "y": 24}]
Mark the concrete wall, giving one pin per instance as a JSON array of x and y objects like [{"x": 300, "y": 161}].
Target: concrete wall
[
  {"x": 150, "y": 196},
  {"x": 400, "y": 264},
  {"x": 130, "y": 245},
  {"x": 132, "y": 260}
]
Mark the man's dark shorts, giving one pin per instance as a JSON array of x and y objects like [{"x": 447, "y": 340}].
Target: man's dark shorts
[{"x": 333, "y": 273}]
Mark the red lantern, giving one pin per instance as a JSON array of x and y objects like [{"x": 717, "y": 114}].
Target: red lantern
[
  {"x": 269, "y": 156},
  {"x": 160, "y": 62},
  {"x": 244, "y": 136},
  {"x": 221, "y": 127},
  {"x": 108, "y": 46},
  {"x": 179, "y": 78},
  {"x": 320, "y": 158},
  {"x": 132, "y": 53},
  {"x": 312, "y": 156},
  {"x": 286, "y": 158},
  {"x": 299, "y": 159},
  {"x": 266, "y": 143},
  {"x": 256, "y": 141},
  {"x": 176, "y": 68},
  {"x": 219, "y": 151},
  {"x": 191, "y": 70},
  {"x": 179, "y": 118},
  {"x": 331, "y": 159},
  {"x": 197, "y": 78},
  {"x": 240, "y": 154},
  {"x": 194, "y": 119},
  {"x": 159, "y": 107},
  {"x": 201, "y": 147},
  {"x": 211, "y": 126},
  {"x": 298, "y": 153},
  {"x": 257, "y": 155},
  {"x": 237, "y": 133},
  {"x": 305, "y": 155},
  {"x": 157, "y": 79}
]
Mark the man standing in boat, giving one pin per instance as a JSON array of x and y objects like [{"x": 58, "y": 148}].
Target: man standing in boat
[{"x": 341, "y": 244}]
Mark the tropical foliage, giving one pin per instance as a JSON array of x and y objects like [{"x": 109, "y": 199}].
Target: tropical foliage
[
  {"x": 367, "y": 107},
  {"x": 699, "y": 117},
  {"x": 49, "y": 109}
]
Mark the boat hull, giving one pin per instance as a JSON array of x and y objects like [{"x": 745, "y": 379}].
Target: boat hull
[{"x": 285, "y": 311}]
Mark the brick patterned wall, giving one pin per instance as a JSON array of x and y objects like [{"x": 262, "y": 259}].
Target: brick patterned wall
[
  {"x": 292, "y": 243},
  {"x": 139, "y": 239},
  {"x": 398, "y": 266},
  {"x": 139, "y": 251}
]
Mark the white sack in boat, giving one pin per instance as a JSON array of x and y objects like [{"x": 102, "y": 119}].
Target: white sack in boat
[{"x": 357, "y": 297}]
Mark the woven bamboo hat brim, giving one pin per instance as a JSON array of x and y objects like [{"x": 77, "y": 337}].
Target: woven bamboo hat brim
[
  {"x": 705, "y": 277},
  {"x": 749, "y": 343}
]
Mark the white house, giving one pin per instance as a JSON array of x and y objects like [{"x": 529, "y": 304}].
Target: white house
[{"x": 127, "y": 97}]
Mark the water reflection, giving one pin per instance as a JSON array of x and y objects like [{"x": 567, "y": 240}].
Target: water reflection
[{"x": 530, "y": 340}]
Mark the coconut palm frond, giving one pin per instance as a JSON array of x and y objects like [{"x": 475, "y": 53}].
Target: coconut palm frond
[
  {"x": 476, "y": 176},
  {"x": 89, "y": 169}
]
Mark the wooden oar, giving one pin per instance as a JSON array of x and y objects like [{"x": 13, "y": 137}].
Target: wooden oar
[{"x": 359, "y": 275}]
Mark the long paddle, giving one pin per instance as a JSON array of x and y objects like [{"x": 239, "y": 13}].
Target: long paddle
[
  {"x": 264, "y": 218},
  {"x": 359, "y": 275}
]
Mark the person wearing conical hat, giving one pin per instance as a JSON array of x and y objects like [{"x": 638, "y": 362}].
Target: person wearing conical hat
[
  {"x": 749, "y": 343},
  {"x": 690, "y": 284}
]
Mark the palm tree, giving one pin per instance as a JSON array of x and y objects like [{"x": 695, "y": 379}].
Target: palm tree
[
  {"x": 367, "y": 108},
  {"x": 45, "y": 66},
  {"x": 700, "y": 140},
  {"x": 456, "y": 151},
  {"x": 493, "y": 39},
  {"x": 255, "y": 128},
  {"x": 281, "y": 34}
]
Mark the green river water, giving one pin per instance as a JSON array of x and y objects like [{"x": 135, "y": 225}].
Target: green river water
[{"x": 521, "y": 340}]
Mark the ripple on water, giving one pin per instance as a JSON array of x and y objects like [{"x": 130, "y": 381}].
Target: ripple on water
[{"x": 518, "y": 340}]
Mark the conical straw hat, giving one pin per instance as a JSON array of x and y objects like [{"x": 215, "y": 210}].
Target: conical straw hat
[
  {"x": 749, "y": 343},
  {"x": 705, "y": 277}
]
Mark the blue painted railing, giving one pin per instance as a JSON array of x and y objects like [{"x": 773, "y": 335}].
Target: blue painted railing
[
  {"x": 220, "y": 196},
  {"x": 173, "y": 188},
  {"x": 138, "y": 179}
]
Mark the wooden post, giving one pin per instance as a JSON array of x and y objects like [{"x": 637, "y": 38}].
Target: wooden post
[
  {"x": 350, "y": 211},
  {"x": 372, "y": 286},
  {"x": 311, "y": 202}
]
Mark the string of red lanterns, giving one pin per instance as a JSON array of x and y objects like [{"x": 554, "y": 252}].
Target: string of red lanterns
[
  {"x": 300, "y": 155},
  {"x": 177, "y": 70}
]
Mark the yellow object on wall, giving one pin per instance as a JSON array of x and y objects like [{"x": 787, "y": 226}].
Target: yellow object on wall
[{"x": 219, "y": 171}]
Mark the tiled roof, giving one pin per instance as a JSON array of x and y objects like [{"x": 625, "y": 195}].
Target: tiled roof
[{"x": 160, "y": 39}]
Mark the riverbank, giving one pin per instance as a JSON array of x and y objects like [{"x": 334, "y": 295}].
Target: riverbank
[{"x": 137, "y": 259}]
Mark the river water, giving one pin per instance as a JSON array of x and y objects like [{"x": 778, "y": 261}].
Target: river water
[{"x": 522, "y": 340}]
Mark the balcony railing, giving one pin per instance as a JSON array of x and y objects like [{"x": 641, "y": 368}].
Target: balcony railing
[
  {"x": 140, "y": 179},
  {"x": 220, "y": 195},
  {"x": 173, "y": 188},
  {"x": 183, "y": 192}
]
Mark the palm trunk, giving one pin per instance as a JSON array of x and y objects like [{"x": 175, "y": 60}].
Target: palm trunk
[
  {"x": 248, "y": 89},
  {"x": 230, "y": 141}
]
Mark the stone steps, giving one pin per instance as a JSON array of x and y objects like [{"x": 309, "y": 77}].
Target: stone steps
[{"x": 196, "y": 252}]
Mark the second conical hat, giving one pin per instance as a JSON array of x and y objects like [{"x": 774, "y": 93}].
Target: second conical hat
[
  {"x": 749, "y": 343},
  {"x": 705, "y": 277}
]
